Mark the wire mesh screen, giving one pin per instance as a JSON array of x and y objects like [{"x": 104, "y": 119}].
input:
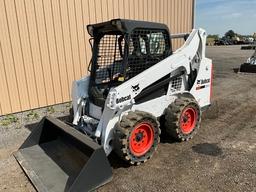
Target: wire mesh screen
[
  {"x": 176, "y": 84},
  {"x": 146, "y": 48},
  {"x": 110, "y": 58}
]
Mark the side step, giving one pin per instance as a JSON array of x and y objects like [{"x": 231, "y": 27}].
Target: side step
[{"x": 56, "y": 157}]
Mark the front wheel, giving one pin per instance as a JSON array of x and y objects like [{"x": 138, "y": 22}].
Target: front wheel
[
  {"x": 136, "y": 137},
  {"x": 183, "y": 118}
]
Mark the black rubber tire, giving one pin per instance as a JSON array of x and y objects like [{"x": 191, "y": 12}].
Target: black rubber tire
[
  {"x": 172, "y": 118},
  {"x": 96, "y": 96},
  {"x": 123, "y": 132}
]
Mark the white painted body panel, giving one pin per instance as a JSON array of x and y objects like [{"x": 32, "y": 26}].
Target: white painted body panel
[{"x": 252, "y": 59}]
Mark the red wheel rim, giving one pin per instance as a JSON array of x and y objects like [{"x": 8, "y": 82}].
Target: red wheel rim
[
  {"x": 188, "y": 120},
  {"x": 141, "y": 139}
]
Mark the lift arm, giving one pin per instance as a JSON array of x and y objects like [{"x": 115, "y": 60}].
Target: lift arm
[{"x": 124, "y": 94}]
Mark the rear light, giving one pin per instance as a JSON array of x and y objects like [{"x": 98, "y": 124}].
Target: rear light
[{"x": 211, "y": 82}]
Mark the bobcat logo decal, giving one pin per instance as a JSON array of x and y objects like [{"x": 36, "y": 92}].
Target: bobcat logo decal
[{"x": 136, "y": 88}]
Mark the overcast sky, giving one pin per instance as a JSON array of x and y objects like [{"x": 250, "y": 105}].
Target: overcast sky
[{"x": 219, "y": 16}]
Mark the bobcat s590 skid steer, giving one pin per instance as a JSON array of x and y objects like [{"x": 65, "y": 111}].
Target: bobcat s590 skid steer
[{"x": 135, "y": 79}]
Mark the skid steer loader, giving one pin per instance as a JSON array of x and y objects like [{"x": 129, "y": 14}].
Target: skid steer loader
[
  {"x": 135, "y": 79},
  {"x": 250, "y": 65}
]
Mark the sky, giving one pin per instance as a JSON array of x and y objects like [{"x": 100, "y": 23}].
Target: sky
[{"x": 219, "y": 16}]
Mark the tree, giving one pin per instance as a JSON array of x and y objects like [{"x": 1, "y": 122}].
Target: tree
[
  {"x": 230, "y": 34},
  {"x": 215, "y": 37}
]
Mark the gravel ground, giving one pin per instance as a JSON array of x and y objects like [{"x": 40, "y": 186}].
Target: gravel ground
[{"x": 222, "y": 157}]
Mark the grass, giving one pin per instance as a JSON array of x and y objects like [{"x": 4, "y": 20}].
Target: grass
[
  {"x": 68, "y": 105},
  {"x": 9, "y": 119},
  {"x": 33, "y": 115},
  {"x": 50, "y": 110}
]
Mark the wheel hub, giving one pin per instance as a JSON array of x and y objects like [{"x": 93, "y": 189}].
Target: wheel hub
[
  {"x": 188, "y": 120},
  {"x": 185, "y": 118},
  {"x": 141, "y": 139}
]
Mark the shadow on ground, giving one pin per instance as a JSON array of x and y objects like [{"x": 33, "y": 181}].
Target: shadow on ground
[{"x": 210, "y": 149}]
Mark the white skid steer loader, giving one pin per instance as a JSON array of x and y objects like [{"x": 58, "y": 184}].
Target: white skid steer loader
[{"x": 135, "y": 79}]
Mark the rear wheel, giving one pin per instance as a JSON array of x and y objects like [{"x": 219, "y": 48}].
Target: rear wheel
[
  {"x": 183, "y": 118},
  {"x": 136, "y": 137}
]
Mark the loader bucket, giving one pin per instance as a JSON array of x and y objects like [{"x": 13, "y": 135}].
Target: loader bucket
[{"x": 57, "y": 157}]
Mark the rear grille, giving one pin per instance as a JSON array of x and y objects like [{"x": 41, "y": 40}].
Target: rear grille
[{"x": 176, "y": 84}]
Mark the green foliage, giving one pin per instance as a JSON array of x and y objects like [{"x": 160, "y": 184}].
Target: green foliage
[
  {"x": 230, "y": 34},
  {"x": 68, "y": 105},
  {"x": 50, "y": 110},
  {"x": 9, "y": 119},
  {"x": 214, "y": 36},
  {"x": 33, "y": 115}
]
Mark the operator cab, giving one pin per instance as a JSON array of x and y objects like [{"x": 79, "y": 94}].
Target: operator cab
[{"x": 122, "y": 49}]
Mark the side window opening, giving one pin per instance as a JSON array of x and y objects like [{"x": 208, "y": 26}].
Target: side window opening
[
  {"x": 142, "y": 46},
  {"x": 156, "y": 43},
  {"x": 146, "y": 48},
  {"x": 110, "y": 58},
  {"x": 114, "y": 63}
]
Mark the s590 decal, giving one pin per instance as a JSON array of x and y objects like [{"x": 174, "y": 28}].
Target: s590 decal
[{"x": 203, "y": 81}]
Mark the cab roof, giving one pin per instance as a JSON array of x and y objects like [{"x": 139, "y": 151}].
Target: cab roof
[{"x": 123, "y": 26}]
